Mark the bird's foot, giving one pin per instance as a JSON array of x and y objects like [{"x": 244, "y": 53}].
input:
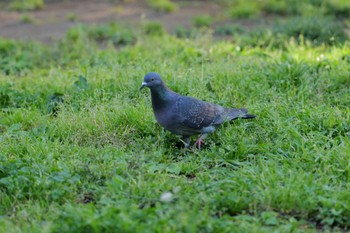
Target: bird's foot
[
  {"x": 186, "y": 141},
  {"x": 198, "y": 143}
]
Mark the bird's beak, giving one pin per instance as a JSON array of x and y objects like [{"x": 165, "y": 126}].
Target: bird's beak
[{"x": 143, "y": 85}]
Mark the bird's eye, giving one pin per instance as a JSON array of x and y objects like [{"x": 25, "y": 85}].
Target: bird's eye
[{"x": 152, "y": 79}]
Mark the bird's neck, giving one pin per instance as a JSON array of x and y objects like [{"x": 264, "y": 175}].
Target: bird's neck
[{"x": 161, "y": 96}]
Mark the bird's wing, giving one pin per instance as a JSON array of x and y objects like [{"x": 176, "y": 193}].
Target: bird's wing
[
  {"x": 196, "y": 114},
  {"x": 233, "y": 113}
]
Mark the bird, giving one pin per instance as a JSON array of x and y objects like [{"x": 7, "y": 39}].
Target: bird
[{"x": 185, "y": 115}]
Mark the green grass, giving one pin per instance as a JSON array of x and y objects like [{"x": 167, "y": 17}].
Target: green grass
[
  {"x": 202, "y": 21},
  {"x": 166, "y": 6},
  {"x": 118, "y": 35},
  {"x": 315, "y": 29},
  {"x": 244, "y": 9},
  {"x": 252, "y": 8},
  {"x": 72, "y": 17},
  {"x": 26, "y": 18},
  {"x": 20, "y": 5},
  {"x": 153, "y": 29},
  {"x": 80, "y": 150}
]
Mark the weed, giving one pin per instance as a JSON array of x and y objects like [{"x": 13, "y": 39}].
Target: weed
[
  {"x": 72, "y": 17},
  {"x": 153, "y": 29},
  {"x": 183, "y": 32},
  {"x": 26, "y": 18},
  {"x": 228, "y": 30},
  {"x": 118, "y": 35},
  {"x": 20, "y": 5},
  {"x": 244, "y": 9},
  {"x": 339, "y": 8},
  {"x": 162, "y": 5},
  {"x": 287, "y": 7},
  {"x": 251, "y": 8},
  {"x": 318, "y": 30},
  {"x": 202, "y": 21}
]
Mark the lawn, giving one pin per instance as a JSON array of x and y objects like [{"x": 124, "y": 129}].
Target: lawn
[{"x": 80, "y": 149}]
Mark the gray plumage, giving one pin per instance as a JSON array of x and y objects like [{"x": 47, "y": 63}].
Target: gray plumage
[{"x": 184, "y": 115}]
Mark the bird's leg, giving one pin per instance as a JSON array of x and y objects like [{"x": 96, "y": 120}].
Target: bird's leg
[
  {"x": 186, "y": 141},
  {"x": 199, "y": 141}
]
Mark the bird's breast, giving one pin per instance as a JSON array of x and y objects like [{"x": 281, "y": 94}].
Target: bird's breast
[
  {"x": 169, "y": 120},
  {"x": 165, "y": 117}
]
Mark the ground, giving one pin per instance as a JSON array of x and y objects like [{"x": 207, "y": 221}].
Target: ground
[
  {"x": 55, "y": 18},
  {"x": 81, "y": 151}
]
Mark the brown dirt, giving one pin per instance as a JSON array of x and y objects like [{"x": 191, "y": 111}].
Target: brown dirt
[{"x": 55, "y": 18}]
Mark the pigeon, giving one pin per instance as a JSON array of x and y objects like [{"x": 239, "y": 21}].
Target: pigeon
[{"x": 187, "y": 116}]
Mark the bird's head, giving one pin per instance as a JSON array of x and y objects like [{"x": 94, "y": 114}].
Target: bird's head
[{"x": 151, "y": 80}]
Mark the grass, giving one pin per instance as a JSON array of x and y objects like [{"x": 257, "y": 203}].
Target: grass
[
  {"x": 318, "y": 30},
  {"x": 72, "y": 17},
  {"x": 244, "y": 9},
  {"x": 200, "y": 21},
  {"x": 26, "y": 18},
  {"x": 252, "y": 9},
  {"x": 166, "y": 6},
  {"x": 23, "y": 5},
  {"x": 153, "y": 29},
  {"x": 81, "y": 150},
  {"x": 118, "y": 35}
]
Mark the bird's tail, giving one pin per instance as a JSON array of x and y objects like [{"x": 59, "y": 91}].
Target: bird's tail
[
  {"x": 239, "y": 113},
  {"x": 248, "y": 116}
]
